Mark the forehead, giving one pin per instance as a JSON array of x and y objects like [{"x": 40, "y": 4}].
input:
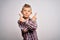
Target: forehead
[{"x": 27, "y": 8}]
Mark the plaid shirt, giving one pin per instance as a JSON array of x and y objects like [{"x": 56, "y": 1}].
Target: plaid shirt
[{"x": 28, "y": 29}]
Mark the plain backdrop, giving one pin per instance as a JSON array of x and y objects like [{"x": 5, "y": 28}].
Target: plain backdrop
[{"x": 48, "y": 18}]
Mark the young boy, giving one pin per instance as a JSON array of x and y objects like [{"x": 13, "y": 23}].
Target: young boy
[{"x": 28, "y": 25}]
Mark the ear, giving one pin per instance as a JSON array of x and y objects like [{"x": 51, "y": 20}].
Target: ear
[
  {"x": 22, "y": 12},
  {"x": 31, "y": 12}
]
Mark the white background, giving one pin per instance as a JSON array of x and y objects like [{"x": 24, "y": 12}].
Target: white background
[{"x": 48, "y": 13}]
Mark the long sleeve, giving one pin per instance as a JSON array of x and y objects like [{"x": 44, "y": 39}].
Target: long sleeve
[
  {"x": 21, "y": 25},
  {"x": 31, "y": 25}
]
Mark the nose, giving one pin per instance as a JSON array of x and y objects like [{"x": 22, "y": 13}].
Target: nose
[{"x": 26, "y": 12}]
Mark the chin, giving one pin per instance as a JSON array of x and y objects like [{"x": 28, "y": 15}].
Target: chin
[{"x": 26, "y": 16}]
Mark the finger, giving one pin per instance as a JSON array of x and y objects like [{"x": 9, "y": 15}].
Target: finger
[
  {"x": 20, "y": 14},
  {"x": 35, "y": 14}
]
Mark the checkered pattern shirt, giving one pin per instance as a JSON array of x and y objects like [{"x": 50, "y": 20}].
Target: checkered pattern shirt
[{"x": 28, "y": 29}]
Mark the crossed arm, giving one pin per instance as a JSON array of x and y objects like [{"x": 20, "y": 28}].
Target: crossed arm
[{"x": 27, "y": 25}]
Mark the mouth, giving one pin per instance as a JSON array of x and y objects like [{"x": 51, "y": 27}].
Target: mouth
[{"x": 25, "y": 17}]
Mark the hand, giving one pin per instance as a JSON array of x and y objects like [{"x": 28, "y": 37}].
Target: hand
[
  {"x": 34, "y": 17},
  {"x": 21, "y": 18},
  {"x": 25, "y": 30}
]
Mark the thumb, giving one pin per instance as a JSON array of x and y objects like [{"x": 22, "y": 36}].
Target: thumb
[
  {"x": 35, "y": 14},
  {"x": 20, "y": 14}
]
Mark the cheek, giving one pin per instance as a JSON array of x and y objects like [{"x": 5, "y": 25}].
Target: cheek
[
  {"x": 24, "y": 13},
  {"x": 29, "y": 14}
]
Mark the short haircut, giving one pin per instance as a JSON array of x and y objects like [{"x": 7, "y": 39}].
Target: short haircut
[{"x": 27, "y": 6}]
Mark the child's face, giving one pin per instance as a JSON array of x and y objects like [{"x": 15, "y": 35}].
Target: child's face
[{"x": 26, "y": 12}]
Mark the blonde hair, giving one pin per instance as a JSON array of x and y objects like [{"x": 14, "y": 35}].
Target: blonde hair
[{"x": 26, "y": 5}]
